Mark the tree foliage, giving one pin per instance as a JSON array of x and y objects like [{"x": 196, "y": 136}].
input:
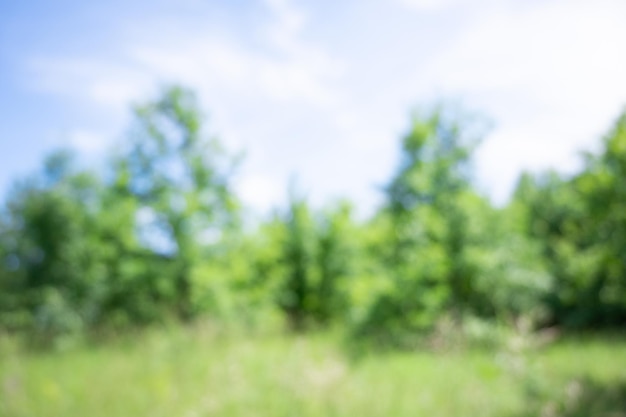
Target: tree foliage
[{"x": 159, "y": 235}]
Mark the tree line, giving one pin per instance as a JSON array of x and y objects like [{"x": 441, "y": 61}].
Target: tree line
[{"x": 159, "y": 235}]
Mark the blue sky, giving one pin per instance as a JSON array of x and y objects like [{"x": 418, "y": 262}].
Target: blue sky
[{"x": 320, "y": 91}]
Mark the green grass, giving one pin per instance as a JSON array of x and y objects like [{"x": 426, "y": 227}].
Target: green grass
[{"x": 199, "y": 373}]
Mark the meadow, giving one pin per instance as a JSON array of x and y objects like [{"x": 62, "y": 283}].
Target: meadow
[
  {"x": 199, "y": 371},
  {"x": 439, "y": 304}
]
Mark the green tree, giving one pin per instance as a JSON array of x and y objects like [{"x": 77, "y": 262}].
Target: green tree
[
  {"x": 426, "y": 221},
  {"x": 336, "y": 261},
  {"x": 512, "y": 280},
  {"x": 298, "y": 255},
  {"x": 427, "y": 199},
  {"x": 581, "y": 225},
  {"x": 604, "y": 190},
  {"x": 52, "y": 276},
  {"x": 181, "y": 181}
]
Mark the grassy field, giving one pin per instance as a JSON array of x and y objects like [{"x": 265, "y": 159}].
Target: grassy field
[{"x": 200, "y": 373}]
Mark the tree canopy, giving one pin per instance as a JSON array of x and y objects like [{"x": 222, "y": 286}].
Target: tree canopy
[{"x": 158, "y": 236}]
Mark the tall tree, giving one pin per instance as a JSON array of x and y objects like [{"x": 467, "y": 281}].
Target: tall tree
[
  {"x": 181, "y": 180},
  {"x": 336, "y": 262},
  {"x": 428, "y": 195},
  {"x": 298, "y": 255},
  {"x": 52, "y": 274}
]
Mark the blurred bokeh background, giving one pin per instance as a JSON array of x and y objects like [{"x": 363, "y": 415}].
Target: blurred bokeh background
[
  {"x": 309, "y": 89},
  {"x": 403, "y": 207}
]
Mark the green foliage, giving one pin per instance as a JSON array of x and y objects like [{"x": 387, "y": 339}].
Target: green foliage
[
  {"x": 513, "y": 280},
  {"x": 429, "y": 238},
  {"x": 52, "y": 276},
  {"x": 181, "y": 183},
  {"x": 159, "y": 237},
  {"x": 297, "y": 256},
  {"x": 337, "y": 260},
  {"x": 580, "y": 225}
]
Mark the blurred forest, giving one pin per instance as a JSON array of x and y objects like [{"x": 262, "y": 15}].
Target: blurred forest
[{"x": 160, "y": 236}]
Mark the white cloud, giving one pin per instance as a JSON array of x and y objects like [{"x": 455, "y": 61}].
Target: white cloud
[
  {"x": 551, "y": 75},
  {"x": 422, "y": 5},
  {"x": 102, "y": 82},
  {"x": 287, "y": 23},
  {"x": 213, "y": 64},
  {"x": 259, "y": 191},
  {"x": 295, "y": 71},
  {"x": 255, "y": 94},
  {"x": 555, "y": 50},
  {"x": 88, "y": 141},
  {"x": 507, "y": 152}
]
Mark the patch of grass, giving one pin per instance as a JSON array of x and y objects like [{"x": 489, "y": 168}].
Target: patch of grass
[
  {"x": 195, "y": 372},
  {"x": 581, "y": 376}
]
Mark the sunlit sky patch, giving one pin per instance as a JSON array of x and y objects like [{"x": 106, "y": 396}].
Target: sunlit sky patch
[{"x": 317, "y": 91}]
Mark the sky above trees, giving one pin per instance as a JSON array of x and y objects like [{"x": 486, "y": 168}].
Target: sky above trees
[{"x": 319, "y": 92}]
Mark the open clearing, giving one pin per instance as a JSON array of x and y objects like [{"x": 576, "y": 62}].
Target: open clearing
[{"x": 195, "y": 373}]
